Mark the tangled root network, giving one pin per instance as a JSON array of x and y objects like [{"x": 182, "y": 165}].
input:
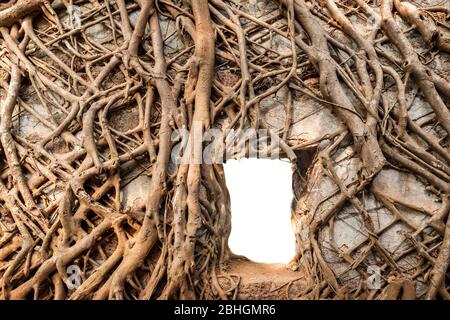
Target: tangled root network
[{"x": 356, "y": 94}]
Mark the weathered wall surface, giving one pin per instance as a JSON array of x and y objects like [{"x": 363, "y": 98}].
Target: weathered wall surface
[{"x": 313, "y": 125}]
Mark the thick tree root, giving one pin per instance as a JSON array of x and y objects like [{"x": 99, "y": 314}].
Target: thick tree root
[{"x": 109, "y": 86}]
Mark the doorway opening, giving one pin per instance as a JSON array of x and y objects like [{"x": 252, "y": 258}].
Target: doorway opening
[{"x": 261, "y": 196}]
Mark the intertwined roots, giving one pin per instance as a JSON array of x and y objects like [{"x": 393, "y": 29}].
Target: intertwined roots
[{"x": 91, "y": 92}]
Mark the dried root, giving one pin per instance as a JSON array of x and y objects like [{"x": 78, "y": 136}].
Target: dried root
[{"x": 79, "y": 71}]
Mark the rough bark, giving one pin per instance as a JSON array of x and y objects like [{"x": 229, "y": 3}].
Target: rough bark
[{"x": 82, "y": 71}]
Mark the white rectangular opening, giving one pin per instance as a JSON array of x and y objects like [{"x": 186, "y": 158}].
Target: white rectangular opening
[{"x": 261, "y": 196}]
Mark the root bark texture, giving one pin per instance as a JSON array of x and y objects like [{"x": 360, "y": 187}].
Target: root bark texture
[{"x": 94, "y": 95}]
